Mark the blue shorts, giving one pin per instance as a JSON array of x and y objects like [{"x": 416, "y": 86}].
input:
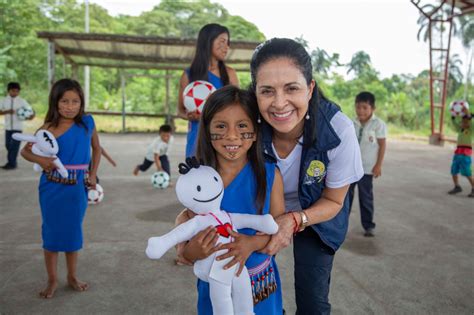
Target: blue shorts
[{"x": 461, "y": 164}]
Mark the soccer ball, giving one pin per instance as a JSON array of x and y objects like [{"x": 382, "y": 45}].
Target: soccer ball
[
  {"x": 94, "y": 196},
  {"x": 160, "y": 180},
  {"x": 23, "y": 113},
  {"x": 195, "y": 95},
  {"x": 456, "y": 108}
]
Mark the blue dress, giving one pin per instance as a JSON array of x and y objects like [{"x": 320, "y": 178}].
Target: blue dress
[
  {"x": 193, "y": 126},
  {"x": 239, "y": 197},
  {"x": 64, "y": 201}
]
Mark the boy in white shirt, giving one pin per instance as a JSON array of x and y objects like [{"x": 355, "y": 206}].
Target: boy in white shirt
[
  {"x": 371, "y": 132},
  {"x": 13, "y": 124},
  {"x": 157, "y": 152}
]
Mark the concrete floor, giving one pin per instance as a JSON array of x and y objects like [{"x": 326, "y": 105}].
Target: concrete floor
[{"x": 420, "y": 262}]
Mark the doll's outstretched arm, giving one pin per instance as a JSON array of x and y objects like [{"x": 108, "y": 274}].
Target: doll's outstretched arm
[
  {"x": 158, "y": 246},
  {"x": 263, "y": 223}
]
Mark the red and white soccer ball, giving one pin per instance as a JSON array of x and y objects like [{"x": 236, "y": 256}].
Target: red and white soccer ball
[
  {"x": 456, "y": 108},
  {"x": 94, "y": 196},
  {"x": 195, "y": 95}
]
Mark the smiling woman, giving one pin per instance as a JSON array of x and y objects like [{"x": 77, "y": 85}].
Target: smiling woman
[{"x": 317, "y": 152}]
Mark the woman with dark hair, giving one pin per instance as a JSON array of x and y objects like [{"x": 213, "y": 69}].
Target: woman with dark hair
[
  {"x": 316, "y": 149},
  {"x": 208, "y": 64}
]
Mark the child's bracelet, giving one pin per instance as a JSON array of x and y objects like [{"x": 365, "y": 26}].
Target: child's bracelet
[{"x": 295, "y": 230}]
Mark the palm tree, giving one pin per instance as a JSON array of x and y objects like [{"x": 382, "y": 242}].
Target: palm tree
[
  {"x": 455, "y": 76},
  {"x": 359, "y": 63},
  {"x": 322, "y": 61},
  {"x": 423, "y": 21},
  {"x": 467, "y": 39}
]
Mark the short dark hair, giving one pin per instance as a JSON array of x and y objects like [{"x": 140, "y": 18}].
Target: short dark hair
[
  {"x": 366, "y": 97},
  {"x": 13, "y": 85},
  {"x": 165, "y": 128}
]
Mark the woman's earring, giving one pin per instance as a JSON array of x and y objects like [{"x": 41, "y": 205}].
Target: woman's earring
[
  {"x": 258, "y": 119},
  {"x": 307, "y": 116}
]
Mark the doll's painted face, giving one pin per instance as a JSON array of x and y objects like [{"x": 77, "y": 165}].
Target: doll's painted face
[
  {"x": 69, "y": 105},
  {"x": 201, "y": 190}
]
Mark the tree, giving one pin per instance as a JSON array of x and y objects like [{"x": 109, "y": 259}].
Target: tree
[
  {"x": 323, "y": 62},
  {"x": 467, "y": 39},
  {"x": 359, "y": 63},
  {"x": 442, "y": 13}
]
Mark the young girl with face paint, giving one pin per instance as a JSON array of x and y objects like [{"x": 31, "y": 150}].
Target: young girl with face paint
[{"x": 229, "y": 142}]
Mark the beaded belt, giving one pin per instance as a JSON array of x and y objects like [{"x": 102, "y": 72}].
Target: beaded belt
[
  {"x": 262, "y": 278},
  {"x": 73, "y": 171}
]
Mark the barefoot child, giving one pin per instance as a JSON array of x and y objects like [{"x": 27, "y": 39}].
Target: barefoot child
[
  {"x": 228, "y": 142},
  {"x": 63, "y": 205}
]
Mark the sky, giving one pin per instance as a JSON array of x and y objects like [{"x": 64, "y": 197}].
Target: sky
[{"x": 385, "y": 29}]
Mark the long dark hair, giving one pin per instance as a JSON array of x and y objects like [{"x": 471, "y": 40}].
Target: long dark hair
[
  {"x": 287, "y": 48},
  {"x": 57, "y": 91},
  {"x": 200, "y": 64},
  {"x": 218, "y": 101}
]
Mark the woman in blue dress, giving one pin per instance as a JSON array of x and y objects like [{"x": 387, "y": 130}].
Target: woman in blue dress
[
  {"x": 63, "y": 201},
  {"x": 208, "y": 64},
  {"x": 229, "y": 142}
]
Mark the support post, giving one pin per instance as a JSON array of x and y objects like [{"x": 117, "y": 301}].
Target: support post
[
  {"x": 74, "y": 70},
  {"x": 167, "y": 100},
  {"x": 51, "y": 56},
  {"x": 122, "y": 79}
]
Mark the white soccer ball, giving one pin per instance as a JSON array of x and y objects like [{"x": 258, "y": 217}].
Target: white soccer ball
[
  {"x": 456, "y": 108},
  {"x": 94, "y": 196},
  {"x": 23, "y": 113},
  {"x": 195, "y": 95},
  {"x": 160, "y": 180}
]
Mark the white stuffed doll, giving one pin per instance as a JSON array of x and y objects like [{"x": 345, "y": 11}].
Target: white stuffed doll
[
  {"x": 200, "y": 189},
  {"x": 44, "y": 144}
]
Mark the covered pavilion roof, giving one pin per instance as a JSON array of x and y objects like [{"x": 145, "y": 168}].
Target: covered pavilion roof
[{"x": 132, "y": 51}]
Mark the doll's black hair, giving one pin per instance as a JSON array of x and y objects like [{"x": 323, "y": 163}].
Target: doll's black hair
[{"x": 191, "y": 162}]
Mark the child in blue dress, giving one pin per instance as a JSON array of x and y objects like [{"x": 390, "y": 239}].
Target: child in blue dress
[
  {"x": 212, "y": 46},
  {"x": 229, "y": 142},
  {"x": 63, "y": 201}
]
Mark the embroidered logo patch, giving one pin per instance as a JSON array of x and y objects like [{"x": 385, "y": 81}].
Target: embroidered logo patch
[{"x": 315, "y": 172}]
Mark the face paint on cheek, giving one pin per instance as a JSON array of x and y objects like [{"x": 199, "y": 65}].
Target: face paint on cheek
[
  {"x": 243, "y": 136},
  {"x": 247, "y": 135},
  {"x": 216, "y": 136}
]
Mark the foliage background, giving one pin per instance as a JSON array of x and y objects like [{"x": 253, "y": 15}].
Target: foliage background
[{"x": 402, "y": 100}]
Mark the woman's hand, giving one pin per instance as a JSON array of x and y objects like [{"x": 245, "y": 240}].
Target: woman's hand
[
  {"x": 241, "y": 248},
  {"x": 47, "y": 163},
  {"x": 286, "y": 226},
  {"x": 201, "y": 246}
]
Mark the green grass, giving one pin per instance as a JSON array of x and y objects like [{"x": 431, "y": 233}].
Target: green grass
[{"x": 113, "y": 124}]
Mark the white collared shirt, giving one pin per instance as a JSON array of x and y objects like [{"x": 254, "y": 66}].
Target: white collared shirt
[
  {"x": 11, "y": 120},
  {"x": 159, "y": 147},
  {"x": 367, "y": 135}
]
